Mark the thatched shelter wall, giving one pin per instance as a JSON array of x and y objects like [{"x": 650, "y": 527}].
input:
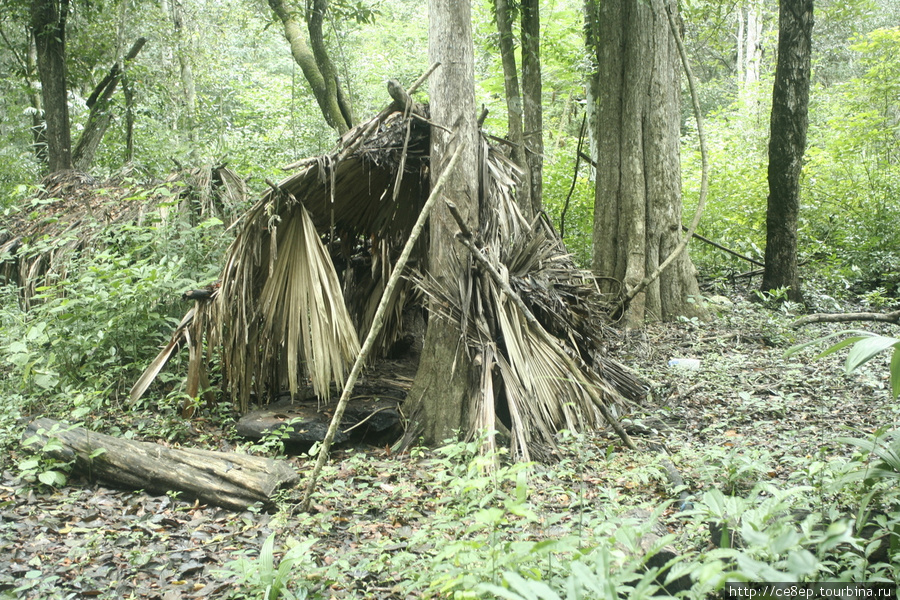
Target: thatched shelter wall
[{"x": 308, "y": 267}]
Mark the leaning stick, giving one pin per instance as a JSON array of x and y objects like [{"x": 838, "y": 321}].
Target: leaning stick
[{"x": 377, "y": 323}]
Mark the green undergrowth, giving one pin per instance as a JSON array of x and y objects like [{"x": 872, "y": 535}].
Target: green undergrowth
[{"x": 451, "y": 523}]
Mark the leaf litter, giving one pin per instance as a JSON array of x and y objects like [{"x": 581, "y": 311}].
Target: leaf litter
[{"x": 381, "y": 520}]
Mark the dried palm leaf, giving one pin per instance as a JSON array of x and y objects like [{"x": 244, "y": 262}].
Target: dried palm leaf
[{"x": 302, "y": 308}]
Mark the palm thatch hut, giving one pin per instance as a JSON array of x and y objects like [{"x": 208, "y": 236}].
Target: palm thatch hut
[{"x": 309, "y": 263}]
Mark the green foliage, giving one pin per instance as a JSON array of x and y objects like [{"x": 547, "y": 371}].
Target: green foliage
[
  {"x": 884, "y": 444},
  {"x": 93, "y": 328},
  {"x": 594, "y": 577},
  {"x": 41, "y": 467},
  {"x": 865, "y": 346},
  {"x": 260, "y": 578}
]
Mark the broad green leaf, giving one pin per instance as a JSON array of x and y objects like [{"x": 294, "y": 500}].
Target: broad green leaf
[
  {"x": 864, "y": 350},
  {"x": 841, "y": 345},
  {"x": 798, "y": 347},
  {"x": 895, "y": 372},
  {"x": 802, "y": 563},
  {"x": 29, "y": 464},
  {"x": 489, "y": 516},
  {"x": 529, "y": 588},
  {"x": 267, "y": 559},
  {"x": 499, "y": 592},
  {"x": 54, "y": 478}
]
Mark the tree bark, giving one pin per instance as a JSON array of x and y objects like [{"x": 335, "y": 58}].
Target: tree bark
[
  {"x": 323, "y": 84},
  {"x": 48, "y": 26},
  {"x": 787, "y": 143},
  {"x": 314, "y": 22},
  {"x": 532, "y": 93},
  {"x": 436, "y": 403},
  {"x": 128, "y": 92},
  {"x": 515, "y": 113},
  {"x": 637, "y": 210}
]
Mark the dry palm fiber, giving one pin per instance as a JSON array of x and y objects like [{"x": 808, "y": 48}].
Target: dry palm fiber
[
  {"x": 303, "y": 308},
  {"x": 282, "y": 315},
  {"x": 541, "y": 372}
]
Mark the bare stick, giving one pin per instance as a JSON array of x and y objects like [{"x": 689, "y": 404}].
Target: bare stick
[
  {"x": 423, "y": 77},
  {"x": 724, "y": 249},
  {"x": 377, "y": 323}
]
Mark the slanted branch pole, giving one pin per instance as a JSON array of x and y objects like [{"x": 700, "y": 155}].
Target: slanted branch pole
[
  {"x": 466, "y": 239},
  {"x": 377, "y": 323}
]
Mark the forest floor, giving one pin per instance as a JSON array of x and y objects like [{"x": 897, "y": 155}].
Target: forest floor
[{"x": 417, "y": 525}]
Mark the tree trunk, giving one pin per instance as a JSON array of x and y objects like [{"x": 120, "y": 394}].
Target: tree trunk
[
  {"x": 637, "y": 210},
  {"x": 749, "y": 51},
  {"x": 787, "y": 142},
  {"x": 99, "y": 117},
  {"x": 235, "y": 481},
  {"x": 324, "y": 85},
  {"x": 186, "y": 73},
  {"x": 515, "y": 112},
  {"x": 48, "y": 26},
  {"x": 128, "y": 92},
  {"x": 592, "y": 93},
  {"x": 314, "y": 23},
  {"x": 436, "y": 403},
  {"x": 531, "y": 91}
]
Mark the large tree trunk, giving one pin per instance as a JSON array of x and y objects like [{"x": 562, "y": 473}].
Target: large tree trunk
[
  {"x": 321, "y": 79},
  {"x": 514, "y": 109},
  {"x": 532, "y": 93},
  {"x": 637, "y": 211},
  {"x": 787, "y": 142},
  {"x": 436, "y": 403},
  {"x": 48, "y": 26}
]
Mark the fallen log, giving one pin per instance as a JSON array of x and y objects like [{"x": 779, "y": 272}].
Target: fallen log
[
  {"x": 891, "y": 317},
  {"x": 234, "y": 481}
]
